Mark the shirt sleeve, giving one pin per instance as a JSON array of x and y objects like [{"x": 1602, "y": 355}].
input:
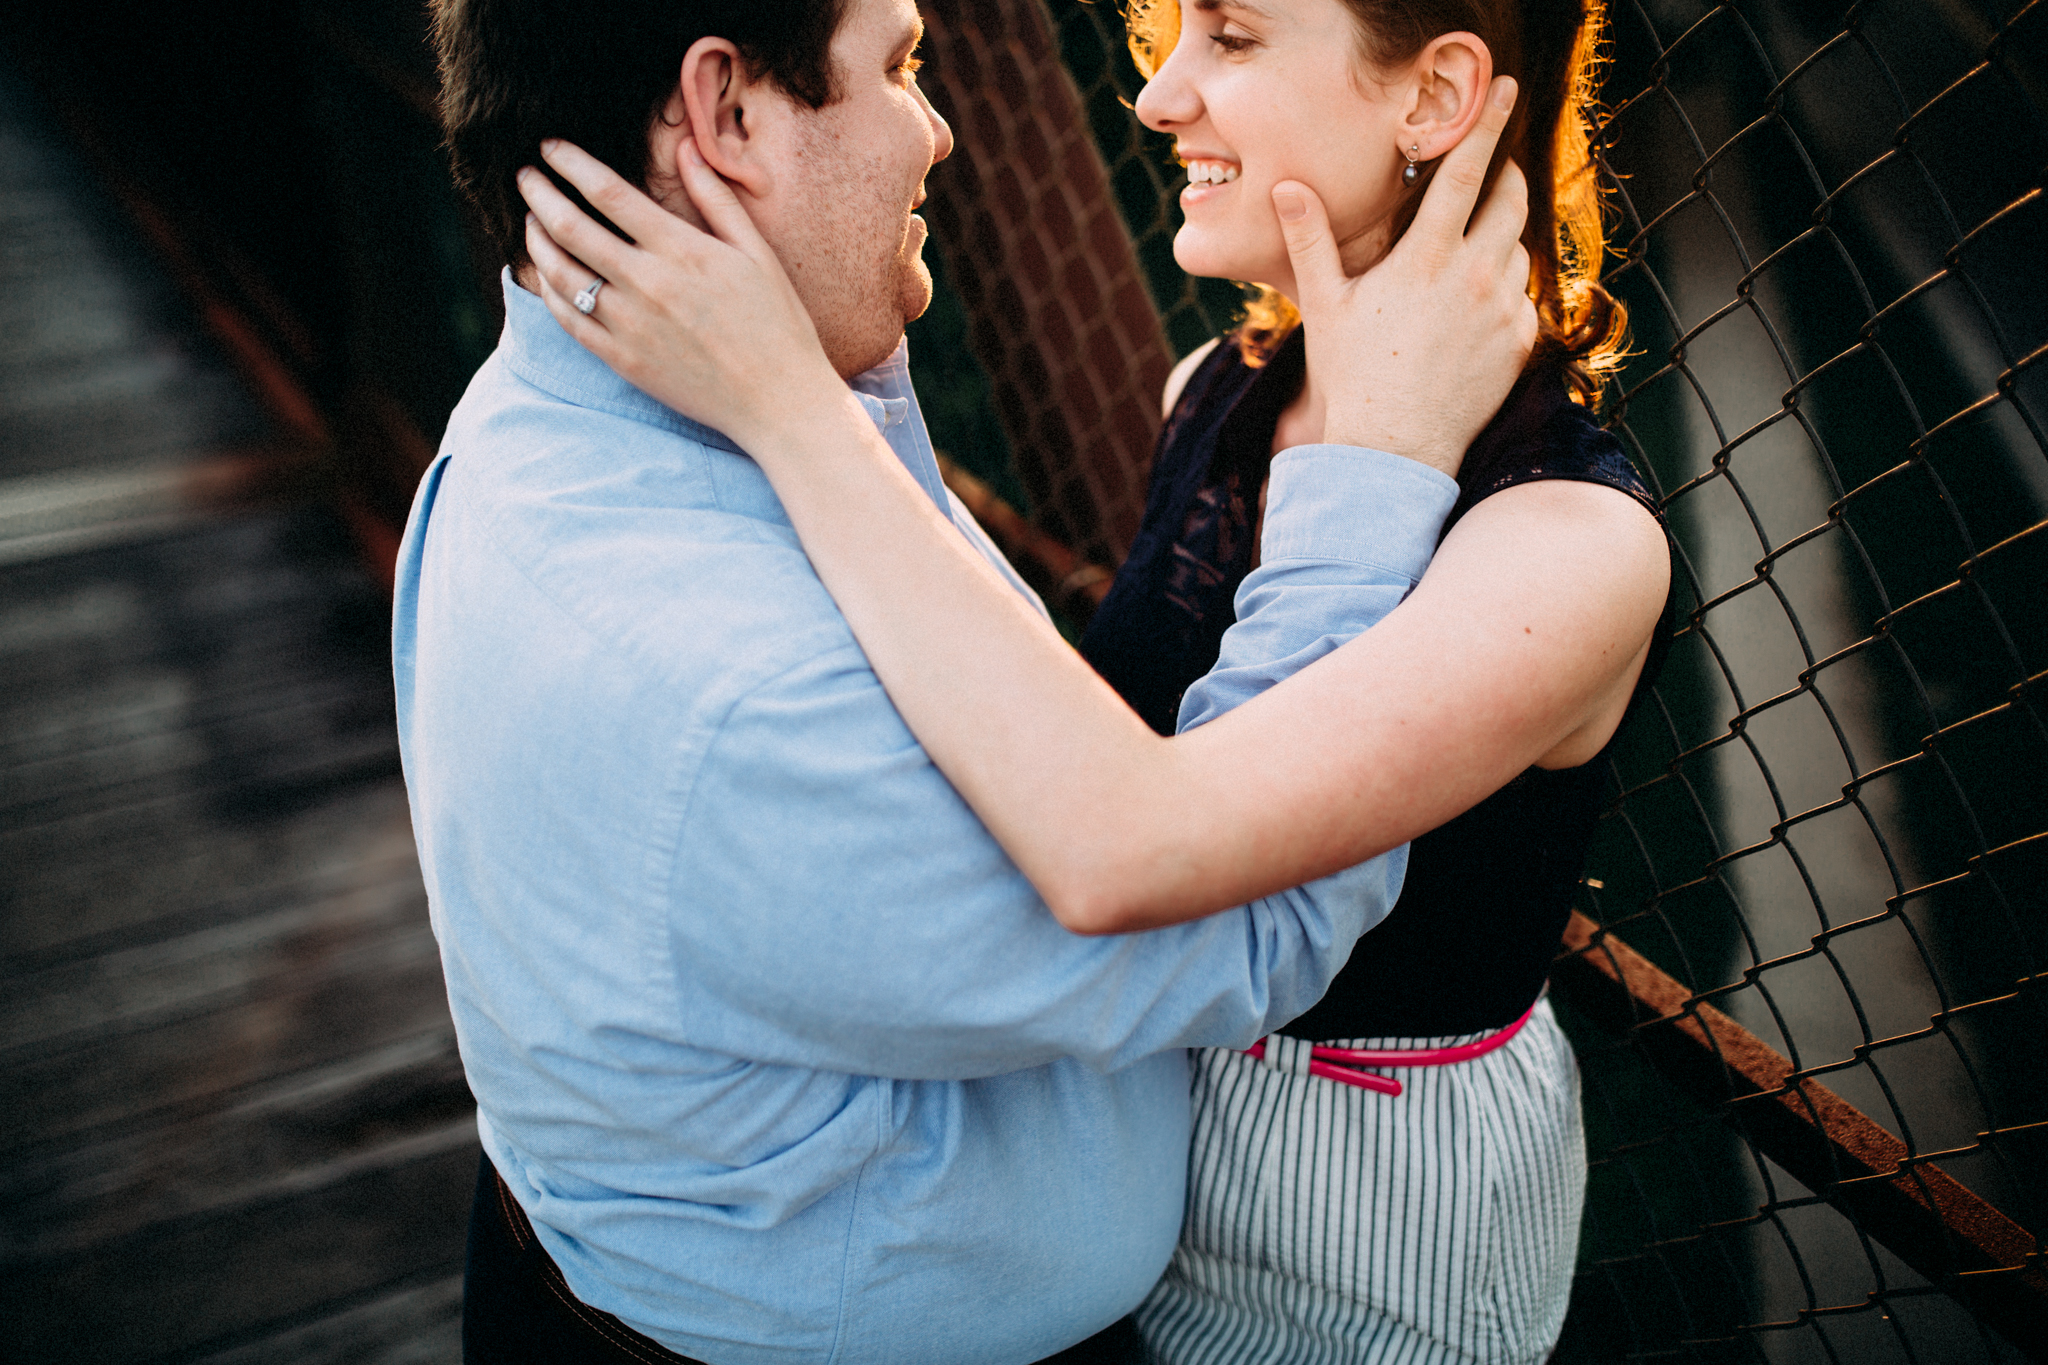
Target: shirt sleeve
[
  {"x": 1347, "y": 534},
  {"x": 872, "y": 925}
]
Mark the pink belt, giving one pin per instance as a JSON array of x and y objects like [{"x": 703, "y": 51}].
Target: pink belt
[{"x": 1339, "y": 1063}]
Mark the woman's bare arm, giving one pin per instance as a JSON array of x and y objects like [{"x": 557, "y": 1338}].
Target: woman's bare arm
[
  {"x": 1520, "y": 646},
  {"x": 1117, "y": 827}
]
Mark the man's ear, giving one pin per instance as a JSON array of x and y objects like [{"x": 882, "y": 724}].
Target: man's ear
[
  {"x": 721, "y": 105},
  {"x": 1450, "y": 77}
]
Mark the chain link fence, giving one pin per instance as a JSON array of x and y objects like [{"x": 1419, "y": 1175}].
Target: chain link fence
[
  {"x": 1807, "y": 982},
  {"x": 1058, "y": 315},
  {"x": 1833, "y": 831}
]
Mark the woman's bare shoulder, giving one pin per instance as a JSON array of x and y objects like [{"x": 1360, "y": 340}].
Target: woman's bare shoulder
[
  {"x": 1591, "y": 533},
  {"x": 1178, "y": 379}
]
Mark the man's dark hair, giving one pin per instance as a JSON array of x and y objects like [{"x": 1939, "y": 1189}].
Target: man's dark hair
[{"x": 598, "y": 74}]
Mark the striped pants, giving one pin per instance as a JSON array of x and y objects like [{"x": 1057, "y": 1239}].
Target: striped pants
[{"x": 1329, "y": 1225}]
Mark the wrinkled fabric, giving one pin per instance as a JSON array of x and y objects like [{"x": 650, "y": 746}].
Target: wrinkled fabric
[
  {"x": 1488, "y": 892},
  {"x": 781, "y": 1055}
]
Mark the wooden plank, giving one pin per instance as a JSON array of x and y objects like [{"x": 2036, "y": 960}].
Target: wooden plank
[
  {"x": 378, "y": 925},
  {"x": 103, "y": 713},
  {"x": 297, "y": 1132},
  {"x": 112, "y": 503},
  {"x": 96, "y": 362},
  {"x": 310, "y": 745},
  {"x": 182, "y": 863},
  {"x": 137, "y": 669},
  {"x": 412, "y": 1325},
  {"x": 260, "y": 571},
  {"x": 189, "y": 1283},
  {"x": 298, "y": 1020},
  {"x": 1947, "y": 1233},
  {"x": 232, "y": 1121}
]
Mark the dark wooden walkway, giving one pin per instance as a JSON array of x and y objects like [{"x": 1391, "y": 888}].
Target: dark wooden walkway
[{"x": 232, "y": 1122}]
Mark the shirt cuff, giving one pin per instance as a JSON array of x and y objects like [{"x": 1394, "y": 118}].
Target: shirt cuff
[{"x": 1351, "y": 503}]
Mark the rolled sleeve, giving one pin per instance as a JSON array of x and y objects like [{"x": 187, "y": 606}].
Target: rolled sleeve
[
  {"x": 1356, "y": 505},
  {"x": 872, "y": 925},
  {"x": 1348, "y": 533}
]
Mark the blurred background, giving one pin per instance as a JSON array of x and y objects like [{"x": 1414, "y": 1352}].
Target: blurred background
[{"x": 1807, "y": 980}]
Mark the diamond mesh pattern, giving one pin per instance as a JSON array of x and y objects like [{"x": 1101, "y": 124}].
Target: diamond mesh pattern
[
  {"x": 1058, "y": 314},
  {"x": 1833, "y": 824}
]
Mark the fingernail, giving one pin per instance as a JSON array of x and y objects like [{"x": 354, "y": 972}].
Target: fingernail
[
  {"x": 519, "y": 177},
  {"x": 1504, "y": 93},
  {"x": 1291, "y": 205},
  {"x": 693, "y": 151},
  {"x": 548, "y": 145},
  {"x": 532, "y": 221}
]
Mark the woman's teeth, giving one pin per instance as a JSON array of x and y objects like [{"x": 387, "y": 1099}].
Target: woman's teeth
[{"x": 1211, "y": 172}]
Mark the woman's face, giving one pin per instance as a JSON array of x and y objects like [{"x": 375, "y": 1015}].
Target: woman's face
[{"x": 1260, "y": 91}]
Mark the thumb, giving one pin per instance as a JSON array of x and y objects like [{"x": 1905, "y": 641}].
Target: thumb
[{"x": 1318, "y": 269}]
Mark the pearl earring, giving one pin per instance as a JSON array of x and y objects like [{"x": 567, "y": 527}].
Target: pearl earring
[{"x": 1411, "y": 172}]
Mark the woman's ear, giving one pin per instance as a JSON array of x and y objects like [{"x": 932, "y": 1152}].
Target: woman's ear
[{"x": 1451, "y": 75}]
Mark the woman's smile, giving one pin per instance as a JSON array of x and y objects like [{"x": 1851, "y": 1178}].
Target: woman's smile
[
  {"x": 1254, "y": 94},
  {"x": 1208, "y": 177}
]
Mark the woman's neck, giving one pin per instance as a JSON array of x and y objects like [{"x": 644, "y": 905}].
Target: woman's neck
[{"x": 1301, "y": 422}]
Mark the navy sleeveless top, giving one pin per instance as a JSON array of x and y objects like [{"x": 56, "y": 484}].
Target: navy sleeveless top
[{"x": 1467, "y": 947}]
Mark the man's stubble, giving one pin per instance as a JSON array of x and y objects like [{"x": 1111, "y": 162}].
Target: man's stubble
[{"x": 853, "y": 250}]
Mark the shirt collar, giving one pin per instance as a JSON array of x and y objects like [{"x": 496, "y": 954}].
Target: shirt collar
[
  {"x": 535, "y": 348},
  {"x": 886, "y": 393}
]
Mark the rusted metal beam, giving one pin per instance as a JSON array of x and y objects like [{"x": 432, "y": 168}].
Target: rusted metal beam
[{"x": 1990, "y": 1264}]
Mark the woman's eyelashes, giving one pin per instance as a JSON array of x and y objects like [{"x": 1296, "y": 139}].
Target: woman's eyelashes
[{"x": 1233, "y": 44}]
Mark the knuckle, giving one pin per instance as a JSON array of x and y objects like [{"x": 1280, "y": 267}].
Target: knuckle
[{"x": 558, "y": 224}]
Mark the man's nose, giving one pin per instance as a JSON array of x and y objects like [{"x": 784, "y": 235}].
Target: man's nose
[{"x": 942, "y": 132}]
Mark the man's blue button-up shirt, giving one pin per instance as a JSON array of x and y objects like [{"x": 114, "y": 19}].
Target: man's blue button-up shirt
[{"x": 783, "y": 1056}]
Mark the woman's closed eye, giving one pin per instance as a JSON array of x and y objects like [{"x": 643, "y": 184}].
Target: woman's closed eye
[{"x": 1234, "y": 44}]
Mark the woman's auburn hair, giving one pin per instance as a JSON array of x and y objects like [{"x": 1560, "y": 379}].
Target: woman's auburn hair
[{"x": 1553, "y": 49}]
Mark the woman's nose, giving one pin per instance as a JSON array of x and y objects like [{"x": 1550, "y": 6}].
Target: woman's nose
[{"x": 1168, "y": 100}]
